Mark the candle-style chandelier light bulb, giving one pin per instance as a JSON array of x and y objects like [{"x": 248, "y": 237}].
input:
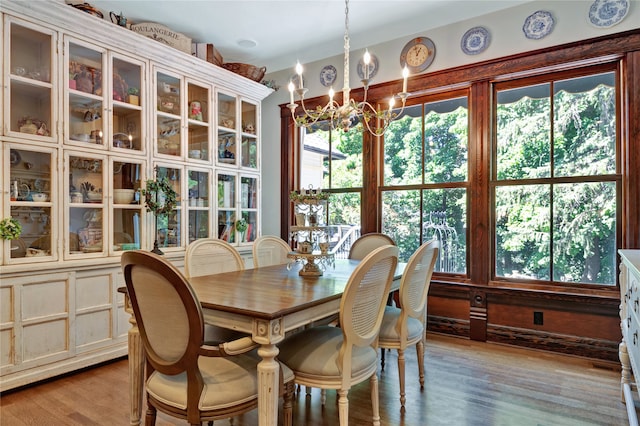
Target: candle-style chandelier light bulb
[{"x": 343, "y": 116}]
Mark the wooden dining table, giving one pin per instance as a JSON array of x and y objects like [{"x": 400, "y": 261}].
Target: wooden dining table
[{"x": 265, "y": 303}]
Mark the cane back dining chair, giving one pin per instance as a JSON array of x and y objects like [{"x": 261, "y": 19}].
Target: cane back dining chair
[
  {"x": 208, "y": 256},
  {"x": 366, "y": 243},
  {"x": 270, "y": 250},
  {"x": 406, "y": 325},
  {"x": 329, "y": 357},
  {"x": 184, "y": 377}
]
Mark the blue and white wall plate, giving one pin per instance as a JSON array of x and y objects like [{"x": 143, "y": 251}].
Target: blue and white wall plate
[
  {"x": 476, "y": 40},
  {"x": 538, "y": 25},
  {"x": 607, "y": 13},
  {"x": 328, "y": 75}
]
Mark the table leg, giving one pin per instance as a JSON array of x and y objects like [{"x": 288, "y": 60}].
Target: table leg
[
  {"x": 268, "y": 385},
  {"x": 136, "y": 367}
]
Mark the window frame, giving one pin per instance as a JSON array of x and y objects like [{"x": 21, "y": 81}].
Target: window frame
[{"x": 615, "y": 67}]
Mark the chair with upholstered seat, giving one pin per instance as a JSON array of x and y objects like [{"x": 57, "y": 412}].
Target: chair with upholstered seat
[
  {"x": 367, "y": 243},
  {"x": 184, "y": 377},
  {"x": 406, "y": 325},
  {"x": 208, "y": 256},
  {"x": 328, "y": 357},
  {"x": 270, "y": 250}
]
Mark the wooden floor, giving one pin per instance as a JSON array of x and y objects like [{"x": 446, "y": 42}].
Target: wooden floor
[{"x": 467, "y": 383}]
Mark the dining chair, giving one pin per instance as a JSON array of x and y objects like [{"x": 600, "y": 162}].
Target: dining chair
[
  {"x": 270, "y": 250},
  {"x": 184, "y": 377},
  {"x": 406, "y": 325},
  {"x": 208, "y": 256},
  {"x": 366, "y": 243},
  {"x": 329, "y": 357}
]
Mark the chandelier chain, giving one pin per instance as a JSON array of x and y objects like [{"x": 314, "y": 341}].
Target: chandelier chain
[{"x": 345, "y": 87}]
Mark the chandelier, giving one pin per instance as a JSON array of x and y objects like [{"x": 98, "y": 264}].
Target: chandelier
[{"x": 344, "y": 116}]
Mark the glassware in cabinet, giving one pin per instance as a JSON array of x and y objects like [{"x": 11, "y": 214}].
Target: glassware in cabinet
[
  {"x": 31, "y": 202},
  {"x": 227, "y": 211},
  {"x": 168, "y": 114},
  {"x": 127, "y": 99},
  {"x": 86, "y": 217},
  {"x": 31, "y": 59},
  {"x": 168, "y": 227},
  {"x": 227, "y": 134},
  {"x": 199, "y": 195},
  {"x": 198, "y": 122},
  {"x": 249, "y": 152},
  {"x": 85, "y": 94},
  {"x": 127, "y": 217}
]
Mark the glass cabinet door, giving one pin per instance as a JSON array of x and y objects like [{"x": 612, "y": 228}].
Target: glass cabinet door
[
  {"x": 85, "y": 94},
  {"x": 127, "y": 104},
  {"x": 29, "y": 108},
  {"x": 198, "y": 122},
  {"x": 249, "y": 208},
  {"x": 86, "y": 216},
  {"x": 249, "y": 154},
  {"x": 227, "y": 135},
  {"x": 168, "y": 229},
  {"x": 31, "y": 202},
  {"x": 199, "y": 206},
  {"x": 126, "y": 220},
  {"x": 168, "y": 115},
  {"x": 226, "y": 207}
]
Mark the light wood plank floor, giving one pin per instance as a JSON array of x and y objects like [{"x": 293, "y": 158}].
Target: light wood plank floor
[{"x": 467, "y": 383}]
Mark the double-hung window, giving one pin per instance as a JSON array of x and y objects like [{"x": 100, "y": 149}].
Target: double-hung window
[
  {"x": 556, "y": 178},
  {"x": 424, "y": 192}
]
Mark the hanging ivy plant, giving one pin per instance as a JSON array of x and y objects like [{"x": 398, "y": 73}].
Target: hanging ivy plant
[
  {"x": 160, "y": 197},
  {"x": 10, "y": 228}
]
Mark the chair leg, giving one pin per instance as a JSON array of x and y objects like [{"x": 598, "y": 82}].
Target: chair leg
[
  {"x": 323, "y": 396},
  {"x": 308, "y": 390},
  {"x": 343, "y": 407},
  {"x": 150, "y": 418},
  {"x": 287, "y": 405},
  {"x": 375, "y": 400},
  {"x": 401, "y": 363},
  {"x": 420, "y": 353},
  {"x": 382, "y": 359}
]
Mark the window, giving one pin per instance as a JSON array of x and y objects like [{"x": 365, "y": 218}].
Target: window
[
  {"x": 425, "y": 179},
  {"x": 556, "y": 179},
  {"x": 332, "y": 160}
]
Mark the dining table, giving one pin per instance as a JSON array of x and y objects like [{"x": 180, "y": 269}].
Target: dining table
[{"x": 265, "y": 303}]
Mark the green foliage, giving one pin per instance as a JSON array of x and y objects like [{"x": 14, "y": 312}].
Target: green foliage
[{"x": 10, "y": 228}]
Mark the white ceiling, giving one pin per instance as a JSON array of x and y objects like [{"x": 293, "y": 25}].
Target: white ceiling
[{"x": 285, "y": 31}]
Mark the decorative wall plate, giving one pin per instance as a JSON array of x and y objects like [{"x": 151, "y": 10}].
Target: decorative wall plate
[
  {"x": 474, "y": 41},
  {"x": 538, "y": 25},
  {"x": 607, "y": 13},
  {"x": 328, "y": 75},
  {"x": 373, "y": 67}
]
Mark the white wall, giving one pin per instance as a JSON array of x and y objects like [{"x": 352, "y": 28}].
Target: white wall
[{"x": 571, "y": 24}]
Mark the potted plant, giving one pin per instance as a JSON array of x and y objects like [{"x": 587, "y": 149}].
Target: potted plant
[
  {"x": 241, "y": 227},
  {"x": 10, "y": 228},
  {"x": 133, "y": 96}
]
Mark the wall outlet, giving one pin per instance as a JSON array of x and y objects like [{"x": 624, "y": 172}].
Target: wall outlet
[{"x": 538, "y": 318}]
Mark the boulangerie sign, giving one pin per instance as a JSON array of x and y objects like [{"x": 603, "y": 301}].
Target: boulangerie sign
[{"x": 164, "y": 35}]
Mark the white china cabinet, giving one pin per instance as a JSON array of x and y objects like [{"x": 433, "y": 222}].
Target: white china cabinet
[{"x": 91, "y": 111}]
